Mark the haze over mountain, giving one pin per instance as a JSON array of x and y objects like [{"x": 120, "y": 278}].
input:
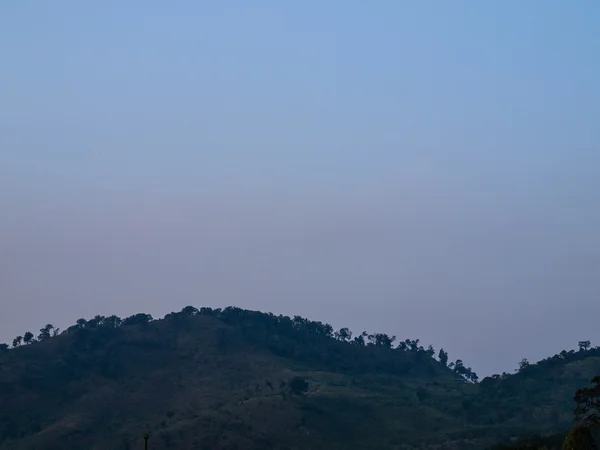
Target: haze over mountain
[{"x": 424, "y": 170}]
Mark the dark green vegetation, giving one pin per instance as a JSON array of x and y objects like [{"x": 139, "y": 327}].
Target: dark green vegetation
[{"x": 237, "y": 379}]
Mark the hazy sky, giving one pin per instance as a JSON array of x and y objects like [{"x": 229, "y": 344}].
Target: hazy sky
[{"x": 426, "y": 169}]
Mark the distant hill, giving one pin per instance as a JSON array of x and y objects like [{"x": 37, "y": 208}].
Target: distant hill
[{"x": 236, "y": 379}]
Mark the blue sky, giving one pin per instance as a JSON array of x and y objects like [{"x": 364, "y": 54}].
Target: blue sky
[{"x": 427, "y": 169}]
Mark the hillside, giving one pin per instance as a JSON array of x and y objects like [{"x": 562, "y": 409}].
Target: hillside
[{"x": 237, "y": 379}]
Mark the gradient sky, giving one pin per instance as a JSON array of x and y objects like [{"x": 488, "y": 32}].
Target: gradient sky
[{"x": 426, "y": 169}]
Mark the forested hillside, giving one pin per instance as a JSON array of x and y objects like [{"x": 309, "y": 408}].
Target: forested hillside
[{"x": 237, "y": 379}]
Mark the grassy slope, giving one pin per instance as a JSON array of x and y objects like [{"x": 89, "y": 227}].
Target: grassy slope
[{"x": 201, "y": 383}]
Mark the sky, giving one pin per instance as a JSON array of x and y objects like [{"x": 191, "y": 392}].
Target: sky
[{"x": 429, "y": 170}]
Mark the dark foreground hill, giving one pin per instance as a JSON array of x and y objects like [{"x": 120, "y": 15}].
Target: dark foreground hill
[{"x": 237, "y": 379}]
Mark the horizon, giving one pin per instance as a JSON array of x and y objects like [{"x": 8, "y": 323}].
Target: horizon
[
  {"x": 427, "y": 171},
  {"x": 396, "y": 339}
]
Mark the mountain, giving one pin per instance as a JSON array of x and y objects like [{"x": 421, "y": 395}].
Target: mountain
[{"x": 238, "y": 379}]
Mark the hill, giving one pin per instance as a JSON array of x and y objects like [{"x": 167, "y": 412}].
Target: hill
[{"x": 238, "y": 379}]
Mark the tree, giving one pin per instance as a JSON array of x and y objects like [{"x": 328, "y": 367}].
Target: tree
[
  {"x": 45, "y": 332},
  {"x": 470, "y": 375},
  {"x": 190, "y": 311},
  {"x": 97, "y": 321},
  {"x": 28, "y": 337},
  {"x": 587, "y": 411},
  {"x": 298, "y": 385},
  {"x": 360, "y": 339},
  {"x": 382, "y": 340},
  {"x": 206, "y": 311},
  {"x": 3, "y": 347},
  {"x": 443, "y": 357},
  {"x": 459, "y": 367},
  {"x": 579, "y": 438},
  {"x": 523, "y": 364},
  {"x": 343, "y": 335},
  {"x": 430, "y": 351},
  {"x": 466, "y": 372},
  {"x": 137, "y": 319},
  {"x": 413, "y": 345},
  {"x": 111, "y": 322},
  {"x": 587, "y": 416},
  {"x": 17, "y": 341},
  {"x": 584, "y": 345}
]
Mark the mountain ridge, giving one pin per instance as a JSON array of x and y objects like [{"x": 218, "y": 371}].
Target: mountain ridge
[{"x": 224, "y": 378}]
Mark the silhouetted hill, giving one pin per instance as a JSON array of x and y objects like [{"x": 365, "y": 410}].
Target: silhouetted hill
[{"x": 237, "y": 379}]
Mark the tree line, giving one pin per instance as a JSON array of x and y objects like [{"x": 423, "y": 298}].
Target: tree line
[
  {"x": 235, "y": 315},
  {"x": 257, "y": 325},
  {"x": 526, "y": 368}
]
